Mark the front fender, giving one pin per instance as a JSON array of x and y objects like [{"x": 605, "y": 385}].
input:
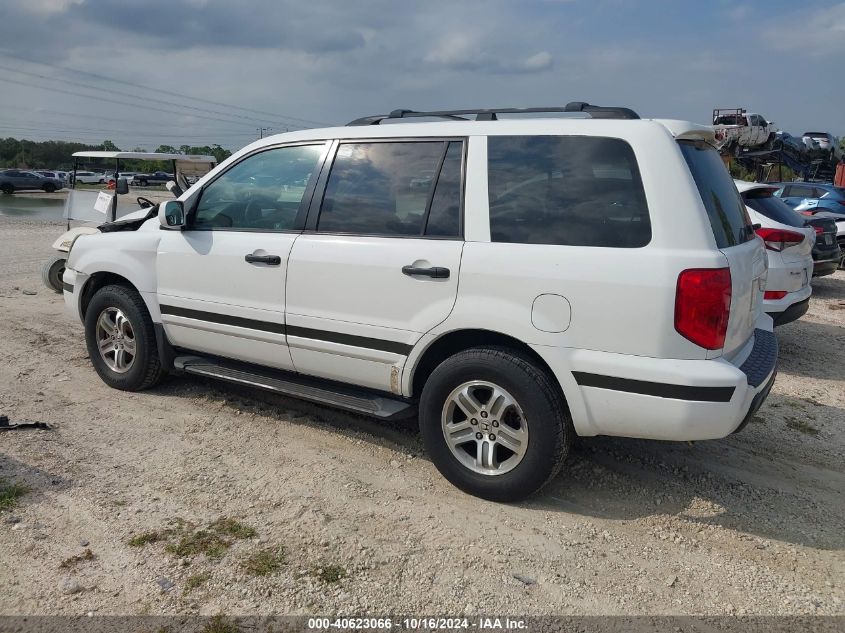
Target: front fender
[
  {"x": 132, "y": 255},
  {"x": 66, "y": 240}
]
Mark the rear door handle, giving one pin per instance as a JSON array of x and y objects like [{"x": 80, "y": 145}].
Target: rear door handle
[
  {"x": 436, "y": 272},
  {"x": 272, "y": 260}
]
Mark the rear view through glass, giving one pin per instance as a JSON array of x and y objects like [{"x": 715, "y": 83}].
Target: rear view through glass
[
  {"x": 566, "y": 190},
  {"x": 725, "y": 209},
  {"x": 764, "y": 201}
]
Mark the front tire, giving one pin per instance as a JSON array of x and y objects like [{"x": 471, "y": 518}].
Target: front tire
[
  {"x": 52, "y": 273},
  {"x": 121, "y": 340},
  {"x": 494, "y": 424},
  {"x": 7, "y": 188}
]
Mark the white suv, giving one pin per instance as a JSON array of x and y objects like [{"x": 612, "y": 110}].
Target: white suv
[
  {"x": 789, "y": 246},
  {"x": 518, "y": 282}
]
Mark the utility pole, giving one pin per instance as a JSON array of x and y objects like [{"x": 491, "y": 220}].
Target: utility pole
[{"x": 261, "y": 131}]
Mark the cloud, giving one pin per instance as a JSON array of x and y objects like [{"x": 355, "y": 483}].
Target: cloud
[
  {"x": 50, "y": 6},
  {"x": 334, "y": 61},
  {"x": 463, "y": 51},
  {"x": 820, "y": 32}
]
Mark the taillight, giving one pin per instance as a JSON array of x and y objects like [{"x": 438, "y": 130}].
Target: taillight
[
  {"x": 778, "y": 239},
  {"x": 818, "y": 229},
  {"x": 806, "y": 212},
  {"x": 774, "y": 294},
  {"x": 703, "y": 306}
]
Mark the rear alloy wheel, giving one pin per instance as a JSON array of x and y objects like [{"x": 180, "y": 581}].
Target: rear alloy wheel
[
  {"x": 52, "y": 273},
  {"x": 485, "y": 428},
  {"x": 49, "y": 187},
  {"x": 121, "y": 340},
  {"x": 494, "y": 424}
]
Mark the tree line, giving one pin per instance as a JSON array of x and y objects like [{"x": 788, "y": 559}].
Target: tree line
[{"x": 24, "y": 154}]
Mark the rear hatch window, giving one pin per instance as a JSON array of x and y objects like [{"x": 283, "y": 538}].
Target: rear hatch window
[
  {"x": 764, "y": 202},
  {"x": 728, "y": 218}
]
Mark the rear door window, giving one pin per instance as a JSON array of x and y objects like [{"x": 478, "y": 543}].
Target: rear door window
[
  {"x": 725, "y": 209},
  {"x": 566, "y": 190},
  {"x": 766, "y": 203}
]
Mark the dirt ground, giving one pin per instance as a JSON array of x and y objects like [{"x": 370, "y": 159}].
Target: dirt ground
[{"x": 333, "y": 513}]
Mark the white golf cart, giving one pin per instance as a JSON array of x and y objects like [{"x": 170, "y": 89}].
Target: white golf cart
[{"x": 87, "y": 209}]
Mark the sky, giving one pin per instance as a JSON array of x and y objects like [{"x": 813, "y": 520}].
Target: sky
[{"x": 198, "y": 72}]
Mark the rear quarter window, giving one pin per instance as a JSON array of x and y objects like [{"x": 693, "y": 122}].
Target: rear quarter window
[
  {"x": 566, "y": 190},
  {"x": 725, "y": 209}
]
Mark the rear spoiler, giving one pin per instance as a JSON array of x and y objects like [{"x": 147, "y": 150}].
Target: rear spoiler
[{"x": 686, "y": 131}]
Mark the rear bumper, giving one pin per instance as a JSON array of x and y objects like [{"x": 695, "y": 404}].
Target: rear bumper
[
  {"x": 664, "y": 399},
  {"x": 825, "y": 267},
  {"x": 791, "y": 313}
]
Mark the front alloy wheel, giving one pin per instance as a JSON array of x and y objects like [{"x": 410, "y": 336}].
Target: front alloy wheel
[
  {"x": 485, "y": 428},
  {"x": 121, "y": 339},
  {"x": 116, "y": 340}
]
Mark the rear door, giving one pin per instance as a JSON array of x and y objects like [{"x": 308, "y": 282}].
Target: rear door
[
  {"x": 221, "y": 281},
  {"x": 378, "y": 264},
  {"x": 735, "y": 238}
]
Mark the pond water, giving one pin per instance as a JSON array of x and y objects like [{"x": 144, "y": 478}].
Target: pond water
[
  {"x": 38, "y": 208},
  {"x": 31, "y": 207}
]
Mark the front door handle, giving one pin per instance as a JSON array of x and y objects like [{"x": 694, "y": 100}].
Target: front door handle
[
  {"x": 272, "y": 260},
  {"x": 435, "y": 272}
]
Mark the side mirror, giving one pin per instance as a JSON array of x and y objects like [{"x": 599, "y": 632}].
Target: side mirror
[
  {"x": 121, "y": 186},
  {"x": 171, "y": 214}
]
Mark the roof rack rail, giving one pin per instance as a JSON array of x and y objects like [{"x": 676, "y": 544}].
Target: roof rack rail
[{"x": 491, "y": 114}]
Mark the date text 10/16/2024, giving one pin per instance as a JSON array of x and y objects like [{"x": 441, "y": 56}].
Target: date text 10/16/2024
[{"x": 413, "y": 624}]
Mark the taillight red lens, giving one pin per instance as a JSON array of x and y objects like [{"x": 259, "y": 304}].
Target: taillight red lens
[
  {"x": 778, "y": 239},
  {"x": 703, "y": 306},
  {"x": 774, "y": 294},
  {"x": 818, "y": 229},
  {"x": 806, "y": 212}
]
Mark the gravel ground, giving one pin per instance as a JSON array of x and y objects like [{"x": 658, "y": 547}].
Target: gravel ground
[{"x": 333, "y": 513}]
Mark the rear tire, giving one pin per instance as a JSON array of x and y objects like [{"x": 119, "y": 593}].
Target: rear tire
[
  {"x": 537, "y": 424},
  {"x": 121, "y": 339},
  {"x": 8, "y": 189},
  {"x": 50, "y": 187},
  {"x": 143, "y": 183},
  {"x": 52, "y": 273}
]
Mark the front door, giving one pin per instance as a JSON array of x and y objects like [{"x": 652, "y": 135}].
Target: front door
[
  {"x": 379, "y": 262},
  {"x": 221, "y": 281}
]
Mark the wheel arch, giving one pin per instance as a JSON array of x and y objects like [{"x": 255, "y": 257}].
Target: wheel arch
[
  {"x": 451, "y": 343},
  {"x": 99, "y": 280}
]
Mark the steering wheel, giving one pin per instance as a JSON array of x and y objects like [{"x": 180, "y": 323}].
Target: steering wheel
[{"x": 144, "y": 202}]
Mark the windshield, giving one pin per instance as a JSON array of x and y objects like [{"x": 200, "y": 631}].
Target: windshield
[{"x": 836, "y": 193}]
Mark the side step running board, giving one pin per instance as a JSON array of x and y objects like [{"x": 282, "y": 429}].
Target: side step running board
[{"x": 289, "y": 384}]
